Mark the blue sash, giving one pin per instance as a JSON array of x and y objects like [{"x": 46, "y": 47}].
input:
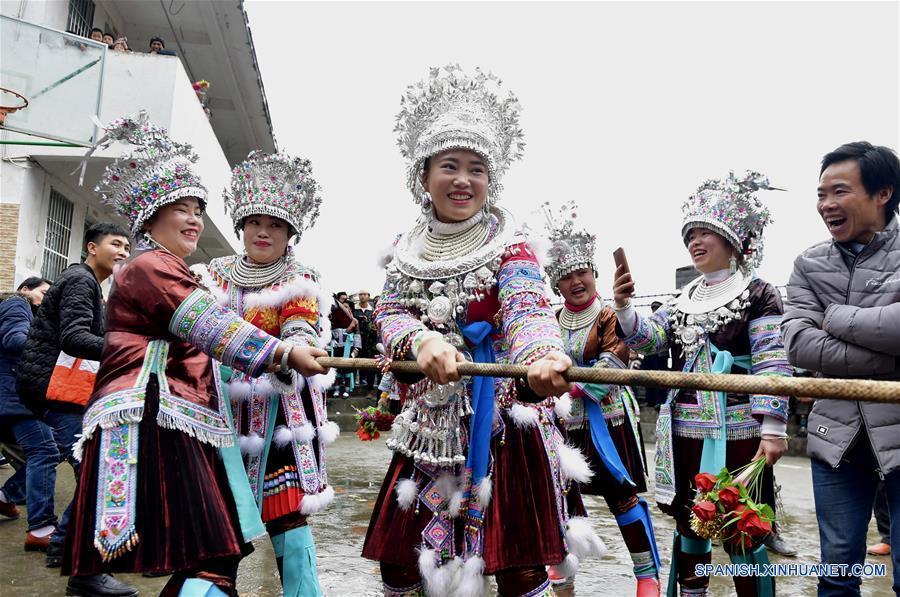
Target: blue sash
[{"x": 712, "y": 459}]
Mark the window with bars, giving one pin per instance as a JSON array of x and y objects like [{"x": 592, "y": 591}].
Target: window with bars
[
  {"x": 81, "y": 17},
  {"x": 58, "y": 235}
]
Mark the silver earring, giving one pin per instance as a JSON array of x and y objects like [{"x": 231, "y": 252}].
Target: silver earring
[
  {"x": 732, "y": 264},
  {"x": 486, "y": 209},
  {"x": 425, "y": 202}
]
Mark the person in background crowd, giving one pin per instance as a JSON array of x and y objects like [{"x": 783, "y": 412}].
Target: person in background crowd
[
  {"x": 96, "y": 34},
  {"x": 883, "y": 522},
  {"x": 727, "y": 320},
  {"x": 156, "y": 45},
  {"x": 56, "y": 371},
  {"x": 343, "y": 324},
  {"x": 109, "y": 40},
  {"x": 368, "y": 336},
  {"x": 842, "y": 317},
  {"x": 16, "y": 315},
  {"x": 655, "y": 397},
  {"x": 121, "y": 45}
]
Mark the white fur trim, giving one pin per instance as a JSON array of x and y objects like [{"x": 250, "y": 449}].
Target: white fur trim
[
  {"x": 563, "y": 406},
  {"x": 524, "y": 416},
  {"x": 485, "y": 488},
  {"x": 283, "y": 436},
  {"x": 251, "y": 444},
  {"x": 454, "y": 508},
  {"x": 439, "y": 580},
  {"x": 238, "y": 389},
  {"x": 310, "y": 504},
  {"x": 568, "y": 567},
  {"x": 385, "y": 256},
  {"x": 472, "y": 582},
  {"x": 263, "y": 386},
  {"x": 572, "y": 463},
  {"x": 282, "y": 387},
  {"x": 211, "y": 286},
  {"x": 298, "y": 288},
  {"x": 540, "y": 247},
  {"x": 304, "y": 433},
  {"x": 323, "y": 382},
  {"x": 328, "y": 432},
  {"x": 407, "y": 492},
  {"x": 582, "y": 540}
]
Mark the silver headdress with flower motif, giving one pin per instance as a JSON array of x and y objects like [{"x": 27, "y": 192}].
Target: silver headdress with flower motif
[
  {"x": 731, "y": 208},
  {"x": 571, "y": 249},
  {"x": 155, "y": 172},
  {"x": 456, "y": 110},
  {"x": 276, "y": 185}
]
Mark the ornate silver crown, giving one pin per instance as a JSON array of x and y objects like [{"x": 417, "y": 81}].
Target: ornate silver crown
[{"x": 571, "y": 249}]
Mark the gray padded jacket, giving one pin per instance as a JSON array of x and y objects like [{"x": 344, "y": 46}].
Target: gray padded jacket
[{"x": 842, "y": 319}]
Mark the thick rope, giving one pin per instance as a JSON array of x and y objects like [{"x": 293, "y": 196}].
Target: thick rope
[{"x": 838, "y": 389}]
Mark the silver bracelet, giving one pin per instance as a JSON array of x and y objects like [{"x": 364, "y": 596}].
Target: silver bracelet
[
  {"x": 284, "y": 357},
  {"x": 624, "y": 307}
]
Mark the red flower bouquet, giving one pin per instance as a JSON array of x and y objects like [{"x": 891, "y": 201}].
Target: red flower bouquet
[
  {"x": 371, "y": 420},
  {"x": 727, "y": 508}
]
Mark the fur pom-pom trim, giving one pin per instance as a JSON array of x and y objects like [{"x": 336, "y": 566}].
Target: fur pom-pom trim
[
  {"x": 284, "y": 388},
  {"x": 524, "y": 416},
  {"x": 454, "y": 508},
  {"x": 385, "y": 256},
  {"x": 407, "y": 492},
  {"x": 485, "y": 489},
  {"x": 439, "y": 580},
  {"x": 298, "y": 288},
  {"x": 304, "y": 433},
  {"x": 540, "y": 248},
  {"x": 202, "y": 272},
  {"x": 563, "y": 406},
  {"x": 568, "y": 567},
  {"x": 582, "y": 540},
  {"x": 283, "y": 436},
  {"x": 472, "y": 582},
  {"x": 251, "y": 444},
  {"x": 312, "y": 503},
  {"x": 238, "y": 390},
  {"x": 572, "y": 463},
  {"x": 263, "y": 386},
  {"x": 323, "y": 382},
  {"x": 328, "y": 432}
]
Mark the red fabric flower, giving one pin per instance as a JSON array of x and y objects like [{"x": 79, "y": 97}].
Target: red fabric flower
[
  {"x": 705, "y": 481},
  {"x": 729, "y": 497},
  {"x": 751, "y": 524},
  {"x": 704, "y": 510}
]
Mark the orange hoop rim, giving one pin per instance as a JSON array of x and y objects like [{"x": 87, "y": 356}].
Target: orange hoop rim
[{"x": 17, "y": 94}]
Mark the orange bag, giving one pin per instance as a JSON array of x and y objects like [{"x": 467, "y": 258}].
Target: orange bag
[{"x": 72, "y": 380}]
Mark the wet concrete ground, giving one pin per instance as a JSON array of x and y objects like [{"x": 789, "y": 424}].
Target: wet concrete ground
[{"x": 356, "y": 470}]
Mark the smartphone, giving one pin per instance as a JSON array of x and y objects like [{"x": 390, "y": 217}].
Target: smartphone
[{"x": 619, "y": 258}]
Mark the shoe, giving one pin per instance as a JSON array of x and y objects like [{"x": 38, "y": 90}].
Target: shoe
[
  {"x": 35, "y": 543},
  {"x": 648, "y": 587},
  {"x": 776, "y": 544},
  {"x": 879, "y": 549},
  {"x": 345, "y": 395},
  {"x": 100, "y": 585},
  {"x": 55, "y": 554},
  {"x": 9, "y": 510}
]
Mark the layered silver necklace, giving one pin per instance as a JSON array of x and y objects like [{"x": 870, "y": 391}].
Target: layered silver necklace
[
  {"x": 571, "y": 320},
  {"x": 247, "y": 274},
  {"x": 701, "y": 310}
]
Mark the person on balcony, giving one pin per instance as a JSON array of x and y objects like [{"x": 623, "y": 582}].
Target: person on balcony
[{"x": 154, "y": 494}]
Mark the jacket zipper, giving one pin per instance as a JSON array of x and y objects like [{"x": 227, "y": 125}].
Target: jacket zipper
[{"x": 858, "y": 404}]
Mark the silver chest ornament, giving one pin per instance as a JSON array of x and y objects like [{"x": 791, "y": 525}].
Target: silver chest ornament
[{"x": 693, "y": 321}]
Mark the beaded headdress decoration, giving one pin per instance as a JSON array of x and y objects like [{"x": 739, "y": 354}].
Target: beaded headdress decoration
[
  {"x": 571, "y": 249},
  {"x": 275, "y": 185},
  {"x": 155, "y": 172},
  {"x": 452, "y": 109},
  {"x": 731, "y": 208}
]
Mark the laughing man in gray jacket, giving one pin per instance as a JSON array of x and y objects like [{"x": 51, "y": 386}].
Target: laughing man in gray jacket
[{"x": 843, "y": 320}]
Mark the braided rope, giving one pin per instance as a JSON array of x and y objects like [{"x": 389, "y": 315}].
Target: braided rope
[{"x": 838, "y": 389}]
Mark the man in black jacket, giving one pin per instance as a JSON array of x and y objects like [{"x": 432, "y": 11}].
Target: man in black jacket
[{"x": 69, "y": 325}]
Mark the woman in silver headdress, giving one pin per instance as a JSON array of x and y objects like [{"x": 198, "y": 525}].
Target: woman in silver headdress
[
  {"x": 280, "y": 417},
  {"x": 477, "y": 482},
  {"x": 601, "y": 419},
  {"x": 154, "y": 494},
  {"x": 726, "y": 321}
]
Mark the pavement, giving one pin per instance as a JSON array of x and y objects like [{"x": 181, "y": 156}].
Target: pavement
[{"x": 356, "y": 470}]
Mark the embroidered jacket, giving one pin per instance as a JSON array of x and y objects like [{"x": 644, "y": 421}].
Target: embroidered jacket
[
  {"x": 755, "y": 333},
  {"x": 160, "y": 322}
]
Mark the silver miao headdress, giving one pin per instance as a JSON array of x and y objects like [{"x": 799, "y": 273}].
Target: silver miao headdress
[
  {"x": 156, "y": 171},
  {"x": 731, "y": 208},
  {"x": 452, "y": 109},
  {"x": 275, "y": 185},
  {"x": 571, "y": 249}
]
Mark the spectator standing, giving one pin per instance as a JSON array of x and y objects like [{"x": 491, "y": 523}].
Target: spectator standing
[
  {"x": 842, "y": 318},
  {"x": 156, "y": 45},
  {"x": 368, "y": 336},
  {"x": 109, "y": 39},
  {"x": 70, "y": 325},
  {"x": 121, "y": 45},
  {"x": 16, "y": 314},
  {"x": 96, "y": 34}
]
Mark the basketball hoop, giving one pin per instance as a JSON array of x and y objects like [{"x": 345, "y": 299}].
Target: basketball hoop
[{"x": 7, "y": 97}]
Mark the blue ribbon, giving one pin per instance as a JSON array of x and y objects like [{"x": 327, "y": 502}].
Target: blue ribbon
[
  {"x": 481, "y": 424},
  {"x": 712, "y": 459},
  {"x": 641, "y": 511},
  {"x": 603, "y": 442}
]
